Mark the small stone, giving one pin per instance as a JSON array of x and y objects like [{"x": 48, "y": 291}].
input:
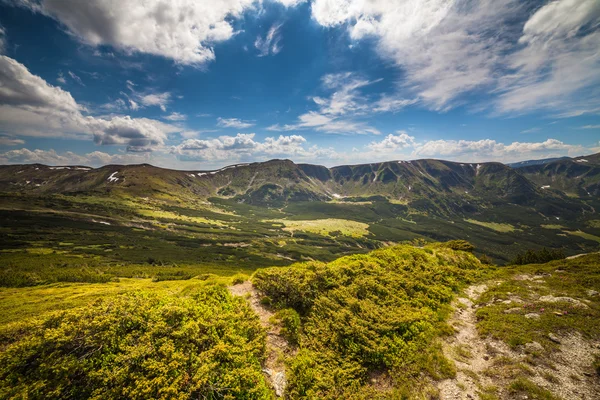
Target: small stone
[
  {"x": 553, "y": 337},
  {"x": 534, "y": 347},
  {"x": 512, "y": 310},
  {"x": 532, "y": 316},
  {"x": 558, "y": 314},
  {"x": 486, "y": 357},
  {"x": 592, "y": 293}
]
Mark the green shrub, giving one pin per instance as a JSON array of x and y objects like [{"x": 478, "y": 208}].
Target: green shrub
[
  {"x": 538, "y": 257},
  {"x": 138, "y": 346},
  {"x": 364, "y": 314},
  {"x": 461, "y": 245},
  {"x": 290, "y": 321}
]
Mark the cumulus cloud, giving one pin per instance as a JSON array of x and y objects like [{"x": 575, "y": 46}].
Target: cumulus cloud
[
  {"x": 530, "y": 57},
  {"x": 31, "y": 106},
  {"x": 51, "y": 157},
  {"x": 234, "y": 123},
  {"x": 244, "y": 147},
  {"x": 182, "y": 30},
  {"x": 340, "y": 111},
  {"x": 491, "y": 150},
  {"x": 393, "y": 143},
  {"x": 270, "y": 44}
]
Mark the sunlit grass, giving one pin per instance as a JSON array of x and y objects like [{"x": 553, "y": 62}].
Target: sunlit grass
[
  {"x": 327, "y": 227},
  {"x": 498, "y": 227}
]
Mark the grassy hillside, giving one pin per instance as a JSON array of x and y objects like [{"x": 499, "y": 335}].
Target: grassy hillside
[
  {"x": 277, "y": 212},
  {"x": 382, "y": 325}
]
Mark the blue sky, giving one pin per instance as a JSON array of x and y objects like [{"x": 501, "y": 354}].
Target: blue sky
[{"x": 203, "y": 84}]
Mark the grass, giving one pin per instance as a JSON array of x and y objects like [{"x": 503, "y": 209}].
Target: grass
[
  {"x": 498, "y": 227},
  {"x": 327, "y": 227},
  {"x": 523, "y": 386},
  {"x": 552, "y": 226},
  {"x": 584, "y": 235},
  {"x": 18, "y": 304},
  {"x": 574, "y": 278}
]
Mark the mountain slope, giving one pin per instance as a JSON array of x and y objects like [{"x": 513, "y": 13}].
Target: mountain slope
[{"x": 431, "y": 185}]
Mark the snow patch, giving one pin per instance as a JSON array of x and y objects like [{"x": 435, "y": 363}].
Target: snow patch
[
  {"x": 582, "y": 160},
  {"x": 545, "y": 187},
  {"x": 112, "y": 177},
  {"x": 192, "y": 175},
  {"x": 337, "y": 196},
  {"x": 82, "y": 168},
  {"x": 201, "y": 174},
  {"x": 59, "y": 167}
]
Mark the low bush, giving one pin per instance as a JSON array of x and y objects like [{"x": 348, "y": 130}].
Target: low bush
[
  {"x": 138, "y": 346},
  {"x": 538, "y": 257},
  {"x": 367, "y": 314}
]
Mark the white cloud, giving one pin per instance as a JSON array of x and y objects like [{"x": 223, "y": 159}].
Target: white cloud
[
  {"x": 270, "y": 44},
  {"x": 51, "y": 157},
  {"x": 393, "y": 143},
  {"x": 154, "y": 99},
  {"x": 234, "y": 123},
  {"x": 590, "y": 127},
  {"x": 9, "y": 141},
  {"x": 290, "y": 3},
  {"x": 32, "y": 107},
  {"x": 182, "y": 30},
  {"x": 491, "y": 150},
  {"x": 76, "y": 78},
  {"x": 558, "y": 66},
  {"x": 175, "y": 116},
  {"x": 341, "y": 110},
  {"x": 531, "y": 130},
  {"x": 528, "y": 57},
  {"x": 244, "y": 147},
  {"x": 2, "y": 39},
  {"x": 61, "y": 79}
]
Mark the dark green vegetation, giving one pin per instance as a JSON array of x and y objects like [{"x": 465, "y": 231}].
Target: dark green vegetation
[
  {"x": 538, "y": 257},
  {"x": 366, "y": 317}
]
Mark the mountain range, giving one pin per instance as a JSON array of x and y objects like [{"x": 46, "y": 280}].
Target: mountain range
[{"x": 502, "y": 209}]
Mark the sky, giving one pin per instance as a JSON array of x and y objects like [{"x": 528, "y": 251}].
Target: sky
[{"x": 201, "y": 84}]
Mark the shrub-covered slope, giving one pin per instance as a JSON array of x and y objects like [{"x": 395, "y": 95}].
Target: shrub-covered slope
[
  {"x": 368, "y": 322},
  {"x": 138, "y": 346}
]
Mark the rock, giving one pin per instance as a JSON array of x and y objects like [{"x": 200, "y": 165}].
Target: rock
[
  {"x": 592, "y": 293},
  {"x": 558, "y": 314},
  {"x": 562, "y": 299},
  {"x": 279, "y": 383},
  {"x": 554, "y": 338},
  {"x": 512, "y": 310},
  {"x": 486, "y": 357},
  {"x": 533, "y": 347},
  {"x": 532, "y": 316}
]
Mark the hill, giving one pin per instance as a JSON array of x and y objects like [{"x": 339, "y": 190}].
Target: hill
[{"x": 278, "y": 211}]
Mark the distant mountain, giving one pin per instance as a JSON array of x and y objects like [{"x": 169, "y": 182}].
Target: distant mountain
[
  {"x": 529, "y": 163},
  {"x": 577, "y": 177},
  {"x": 436, "y": 186}
]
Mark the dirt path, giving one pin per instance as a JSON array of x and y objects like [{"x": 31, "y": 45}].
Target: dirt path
[
  {"x": 273, "y": 368},
  {"x": 475, "y": 358},
  {"x": 470, "y": 354}
]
